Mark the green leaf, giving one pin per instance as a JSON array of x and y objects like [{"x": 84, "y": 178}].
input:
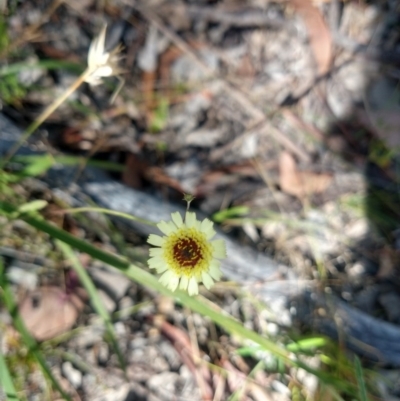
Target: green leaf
[
  {"x": 33, "y": 206},
  {"x": 6, "y": 382},
  {"x": 362, "y": 390},
  {"x": 196, "y": 304},
  {"x": 95, "y": 299},
  {"x": 307, "y": 344},
  {"x": 69, "y": 161},
  {"x": 7, "y": 297},
  {"x": 38, "y": 166},
  {"x": 232, "y": 212},
  {"x": 160, "y": 116}
]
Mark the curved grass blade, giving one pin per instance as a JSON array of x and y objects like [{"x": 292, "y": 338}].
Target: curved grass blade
[
  {"x": 6, "y": 382},
  {"x": 47, "y": 64},
  {"x": 197, "y": 304},
  {"x": 110, "y": 212},
  {"x": 95, "y": 299},
  {"x": 362, "y": 389},
  {"x": 8, "y": 299}
]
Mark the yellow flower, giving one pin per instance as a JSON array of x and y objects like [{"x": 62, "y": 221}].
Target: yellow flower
[
  {"x": 185, "y": 255},
  {"x": 101, "y": 63}
]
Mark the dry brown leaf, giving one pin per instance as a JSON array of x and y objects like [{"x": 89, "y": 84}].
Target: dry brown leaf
[
  {"x": 318, "y": 34},
  {"x": 300, "y": 183},
  {"x": 49, "y": 311}
]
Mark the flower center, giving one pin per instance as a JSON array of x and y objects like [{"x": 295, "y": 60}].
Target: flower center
[{"x": 187, "y": 252}]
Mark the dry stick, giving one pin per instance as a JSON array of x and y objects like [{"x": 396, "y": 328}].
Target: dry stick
[
  {"x": 44, "y": 115},
  {"x": 235, "y": 93}
]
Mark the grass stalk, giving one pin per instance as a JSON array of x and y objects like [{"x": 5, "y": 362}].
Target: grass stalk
[
  {"x": 47, "y": 112},
  {"x": 196, "y": 304},
  {"x": 6, "y": 382},
  {"x": 7, "y": 297},
  {"x": 95, "y": 299}
]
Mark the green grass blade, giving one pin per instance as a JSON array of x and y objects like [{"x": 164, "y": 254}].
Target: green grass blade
[
  {"x": 307, "y": 344},
  {"x": 7, "y": 297},
  {"x": 6, "y": 382},
  {"x": 48, "y": 64},
  {"x": 197, "y": 304},
  {"x": 95, "y": 299},
  {"x": 71, "y": 161},
  {"x": 362, "y": 389},
  {"x": 110, "y": 212}
]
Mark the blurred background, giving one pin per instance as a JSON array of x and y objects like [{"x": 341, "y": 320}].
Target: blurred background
[{"x": 281, "y": 118}]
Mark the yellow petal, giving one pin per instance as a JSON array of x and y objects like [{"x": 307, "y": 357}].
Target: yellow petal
[
  {"x": 207, "y": 228},
  {"x": 219, "y": 248},
  {"x": 166, "y": 277},
  {"x": 190, "y": 219},
  {"x": 193, "y": 288},
  {"x": 173, "y": 282},
  {"x": 161, "y": 268},
  {"x": 156, "y": 262},
  {"x": 214, "y": 270},
  {"x": 156, "y": 252},
  {"x": 207, "y": 280},
  {"x": 177, "y": 219},
  {"x": 184, "y": 283},
  {"x": 166, "y": 228},
  {"x": 155, "y": 240}
]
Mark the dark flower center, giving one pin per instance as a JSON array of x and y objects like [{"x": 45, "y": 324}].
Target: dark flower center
[{"x": 187, "y": 252}]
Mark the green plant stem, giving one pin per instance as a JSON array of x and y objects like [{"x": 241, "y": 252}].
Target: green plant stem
[
  {"x": 7, "y": 297},
  {"x": 95, "y": 299},
  {"x": 110, "y": 212},
  {"x": 197, "y": 304},
  {"x": 44, "y": 115},
  {"x": 6, "y": 382}
]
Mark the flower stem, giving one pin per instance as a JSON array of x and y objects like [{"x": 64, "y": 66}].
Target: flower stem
[{"x": 44, "y": 115}]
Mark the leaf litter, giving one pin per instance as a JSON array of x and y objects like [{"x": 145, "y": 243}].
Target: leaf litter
[{"x": 211, "y": 96}]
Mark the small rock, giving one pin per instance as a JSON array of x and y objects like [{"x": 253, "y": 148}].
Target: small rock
[
  {"x": 90, "y": 335},
  {"x": 152, "y": 357},
  {"x": 22, "y": 277},
  {"x": 390, "y": 303},
  {"x": 170, "y": 385},
  {"x": 356, "y": 270},
  {"x": 147, "y": 56},
  {"x": 112, "y": 282},
  {"x": 31, "y": 75},
  {"x": 74, "y": 376},
  {"x": 388, "y": 384},
  {"x": 187, "y": 173},
  {"x": 103, "y": 354},
  {"x": 358, "y": 229},
  {"x": 280, "y": 388},
  {"x": 115, "y": 394},
  {"x": 138, "y": 343},
  {"x": 205, "y": 137},
  {"x": 165, "y": 305},
  {"x": 366, "y": 299},
  {"x": 272, "y": 329},
  {"x": 89, "y": 383},
  {"x": 125, "y": 308},
  {"x": 120, "y": 329},
  {"x": 309, "y": 381},
  {"x": 184, "y": 69},
  {"x": 170, "y": 354},
  {"x": 107, "y": 301}
]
